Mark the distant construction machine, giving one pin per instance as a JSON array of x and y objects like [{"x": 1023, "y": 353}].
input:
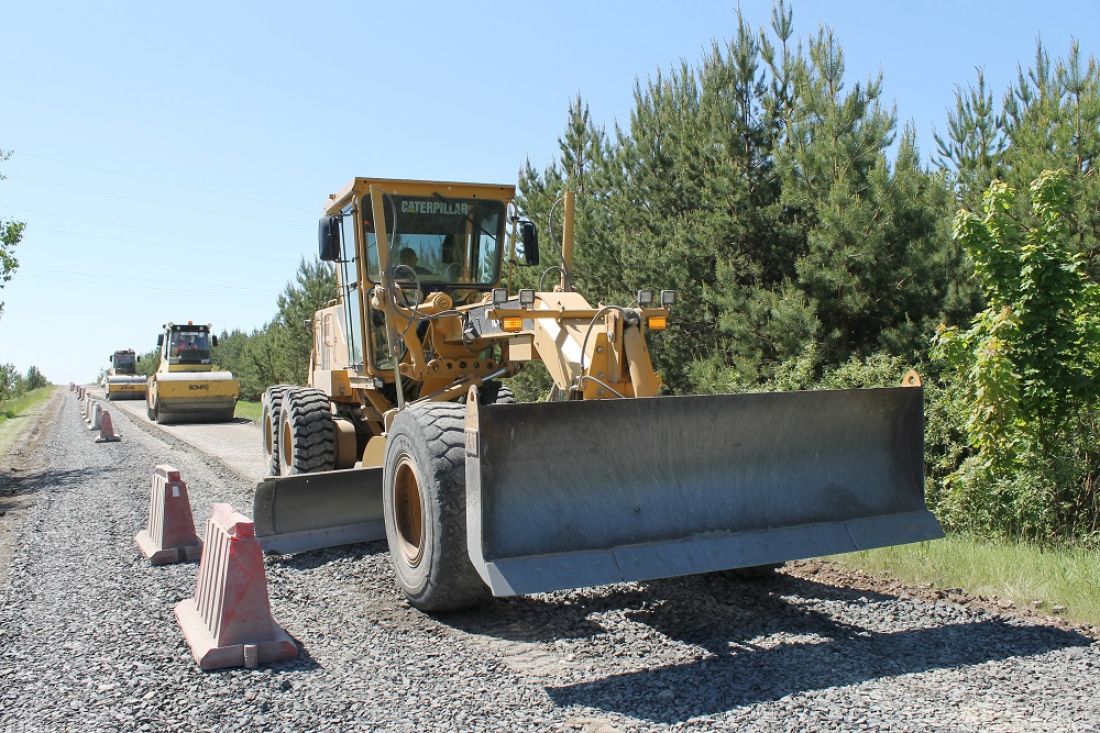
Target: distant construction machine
[
  {"x": 405, "y": 430},
  {"x": 185, "y": 388},
  {"x": 122, "y": 381}
]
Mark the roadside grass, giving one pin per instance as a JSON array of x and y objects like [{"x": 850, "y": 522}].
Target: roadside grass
[
  {"x": 248, "y": 410},
  {"x": 1028, "y": 575},
  {"x": 19, "y": 405}
]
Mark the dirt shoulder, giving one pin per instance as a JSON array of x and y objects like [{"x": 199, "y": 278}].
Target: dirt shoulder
[{"x": 19, "y": 440}]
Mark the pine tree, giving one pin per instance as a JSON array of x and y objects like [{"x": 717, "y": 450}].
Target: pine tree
[
  {"x": 1048, "y": 119},
  {"x": 759, "y": 188}
]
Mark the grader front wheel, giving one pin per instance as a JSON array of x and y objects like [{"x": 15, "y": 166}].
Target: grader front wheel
[{"x": 424, "y": 503}]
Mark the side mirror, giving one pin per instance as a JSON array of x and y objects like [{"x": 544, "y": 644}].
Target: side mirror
[
  {"x": 138, "y": 360},
  {"x": 328, "y": 238},
  {"x": 529, "y": 234},
  {"x": 214, "y": 340},
  {"x": 160, "y": 340}
]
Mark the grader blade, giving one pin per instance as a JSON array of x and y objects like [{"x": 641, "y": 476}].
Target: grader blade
[
  {"x": 308, "y": 511},
  {"x": 572, "y": 494}
]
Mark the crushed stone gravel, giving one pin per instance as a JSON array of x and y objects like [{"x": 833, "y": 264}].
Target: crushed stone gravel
[{"x": 88, "y": 641}]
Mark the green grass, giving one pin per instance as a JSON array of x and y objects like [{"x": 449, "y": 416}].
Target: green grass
[
  {"x": 19, "y": 405},
  {"x": 1067, "y": 577},
  {"x": 248, "y": 410}
]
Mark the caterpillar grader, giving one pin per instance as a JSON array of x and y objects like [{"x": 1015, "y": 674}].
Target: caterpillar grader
[
  {"x": 406, "y": 432},
  {"x": 185, "y": 386},
  {"x": 122, "y": 381}
]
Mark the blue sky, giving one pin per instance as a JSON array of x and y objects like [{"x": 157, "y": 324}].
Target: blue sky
[{"x": 171, "y": 159}]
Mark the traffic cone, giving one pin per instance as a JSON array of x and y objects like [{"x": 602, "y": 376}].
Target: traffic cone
[
  {"x": 170, "y": 536},
  {"x": 94, "y": 415},
  {"x": 107, "y": 432},
  {"x": 228, "y": 623}
]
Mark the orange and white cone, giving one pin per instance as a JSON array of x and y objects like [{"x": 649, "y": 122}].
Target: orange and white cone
[
  {"x": 228, "y": 623},
  {"x": 107, "y": 432},
  {"x": 170, "y": 535}
]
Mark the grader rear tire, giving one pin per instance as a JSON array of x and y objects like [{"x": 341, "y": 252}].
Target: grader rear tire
[
  {"x": 424, "y": 503},
  {"x": 307, "y": 433},
  {"x": 269, "y": 426}
]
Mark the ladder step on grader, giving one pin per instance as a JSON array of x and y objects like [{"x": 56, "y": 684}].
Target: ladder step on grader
[{"x": 405, "y": 431}]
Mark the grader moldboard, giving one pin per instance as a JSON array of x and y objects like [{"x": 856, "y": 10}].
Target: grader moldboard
[
  {"x": 406, "y": 432},
  {"x": 122, "y": 381},
  {"x": 185, "y": 387}
]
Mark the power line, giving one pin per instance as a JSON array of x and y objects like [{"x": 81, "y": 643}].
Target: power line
[
  {"x": 138, "y": 287},
  {"x": 148, "y": 229},
  {"x": 139, "y": 279},
  {"x": 160, "y": 182},
  {"x": 187, "y": 248},
  {"x": 157, "y": 203}
]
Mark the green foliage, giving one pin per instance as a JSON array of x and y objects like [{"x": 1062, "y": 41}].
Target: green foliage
[
  {"x": 1048, "y": 119},
  {"x": 11, "y": 382},
  {"x": 34, "y": 379},
  {"x": 11, "y": 232},
  {"x": 1028, "y": 370},
  {"x": 278, "y": 353},
  {"x": 148, "y": 362},
  {"x": 758, "y": 186}
]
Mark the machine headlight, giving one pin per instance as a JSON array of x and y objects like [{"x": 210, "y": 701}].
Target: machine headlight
[{"x": 645, "y": 297}]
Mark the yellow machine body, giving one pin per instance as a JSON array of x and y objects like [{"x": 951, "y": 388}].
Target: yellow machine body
[
  {"x": 607, "y": 480},
  {"x": 186, "y": 387},
  {"x": 122, "y": 381}
]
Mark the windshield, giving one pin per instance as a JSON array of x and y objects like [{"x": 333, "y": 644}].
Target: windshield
[
  {"x": 124, "y": 363},
  {"x": 189, "y": 347},
  {"x": 450, "y": 241}
]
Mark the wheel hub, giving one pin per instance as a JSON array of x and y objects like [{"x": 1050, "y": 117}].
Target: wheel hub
[{"x": 408, "y": 511}]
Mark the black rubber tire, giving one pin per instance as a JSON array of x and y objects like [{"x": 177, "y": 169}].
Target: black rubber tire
[
  {"x": 429, "y": 440},
  {"x": 307, "y": 420},
  {"x": 269, "y": 426},
  {"x": 494, "y": 393}
]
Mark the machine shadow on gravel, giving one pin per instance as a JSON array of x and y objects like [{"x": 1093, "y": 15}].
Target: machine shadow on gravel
[
  {"x": 319, "y": 558},
  {"x": 16, "y": 484},
  {"x": 545, "y": 619},
  {"x": 817, "y": 653}
]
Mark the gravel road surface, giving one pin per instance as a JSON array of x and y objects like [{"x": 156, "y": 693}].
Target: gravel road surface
[{"x": 88, "y": 641}]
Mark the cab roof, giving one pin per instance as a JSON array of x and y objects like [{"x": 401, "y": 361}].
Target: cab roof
[{"x": 359, "y": 187}]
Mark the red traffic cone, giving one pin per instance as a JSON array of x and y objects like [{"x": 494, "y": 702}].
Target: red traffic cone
[
  {"x": 170, "y": 536},
  {"x": 228, "y": 623},
  {"x": 107, "y": 432}
]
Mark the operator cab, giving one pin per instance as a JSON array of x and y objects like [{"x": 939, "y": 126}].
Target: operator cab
[
  {"x": 187, "y": 344},
  {"x": 124, "y": 362},
  {"x": 442, "y": 243}
]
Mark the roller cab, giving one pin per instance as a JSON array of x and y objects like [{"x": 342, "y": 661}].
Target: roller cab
[
  {"x": 185, "y": 387},
  {"x": 122, "y": 381}
]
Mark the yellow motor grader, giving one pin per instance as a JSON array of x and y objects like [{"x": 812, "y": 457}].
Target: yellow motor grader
[
  {"x": 406, "y": 432},
  {"x": 185, "y": 387},
  {"x": 122, "y": 381}
]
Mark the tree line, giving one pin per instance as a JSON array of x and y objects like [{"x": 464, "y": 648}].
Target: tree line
[{"x": 810, "y": 247}]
